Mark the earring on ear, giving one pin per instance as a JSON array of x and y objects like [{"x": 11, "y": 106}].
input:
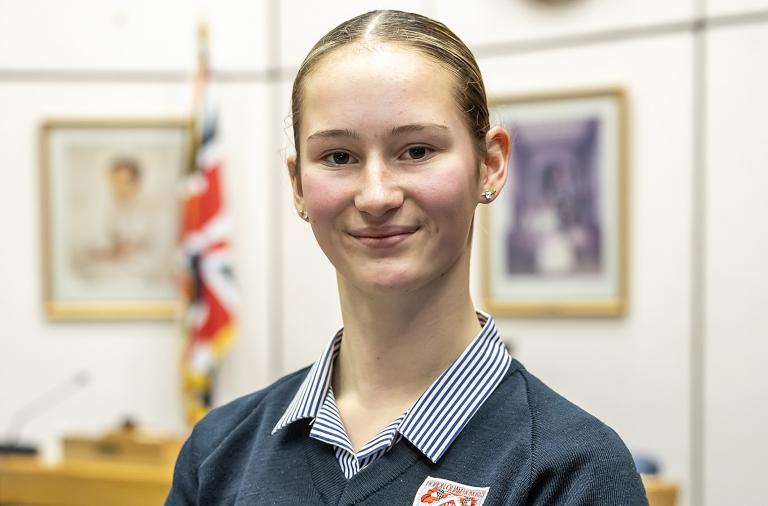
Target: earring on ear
[
  {"x": 488, "y": 194},
  {"x": 304, "y": 216}
]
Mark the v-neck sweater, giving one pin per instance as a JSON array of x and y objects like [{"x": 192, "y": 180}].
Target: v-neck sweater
[
  {"x": 431, "y": 424},
  {"x": 526, "y": 443}
]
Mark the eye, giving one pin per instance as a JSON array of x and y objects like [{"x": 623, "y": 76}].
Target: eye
[
  {"x": 417, "y": 152},
  {"x": 339, "y": 158}
]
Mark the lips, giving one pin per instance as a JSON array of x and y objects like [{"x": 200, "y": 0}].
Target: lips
[{"x": 383, "y": 236}]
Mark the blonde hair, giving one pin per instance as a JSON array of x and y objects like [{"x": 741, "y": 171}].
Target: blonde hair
[{"x": 431, "y": 38}]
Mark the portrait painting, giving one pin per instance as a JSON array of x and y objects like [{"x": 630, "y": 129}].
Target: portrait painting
[
  {"x": 556, "y": 236},
  {"x": 111, "y": 211}
]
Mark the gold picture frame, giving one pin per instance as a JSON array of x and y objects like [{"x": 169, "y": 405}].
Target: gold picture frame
[
  {"x": 555, "y": 241},
  {"x": 110, "y": 210}
]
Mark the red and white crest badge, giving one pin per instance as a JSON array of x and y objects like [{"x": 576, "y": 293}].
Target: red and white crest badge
[{"x": 439, "y": 492}]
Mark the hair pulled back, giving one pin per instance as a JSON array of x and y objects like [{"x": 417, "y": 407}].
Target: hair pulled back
[{"x": 431, "y": 38}]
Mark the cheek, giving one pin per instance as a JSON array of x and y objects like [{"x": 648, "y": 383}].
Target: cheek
[
  {"x": 323, "y": 196},
  {"x": 449, "y": 197}
]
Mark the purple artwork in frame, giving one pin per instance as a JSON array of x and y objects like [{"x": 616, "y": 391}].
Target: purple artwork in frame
[
  {"x": 556, "y": 227},
  {"x": 555, "y": 238}
]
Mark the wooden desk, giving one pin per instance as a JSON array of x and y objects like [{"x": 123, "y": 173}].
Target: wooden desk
[
  {"x": 27, "y": 481},
  {"x": 660, "y": 492}
]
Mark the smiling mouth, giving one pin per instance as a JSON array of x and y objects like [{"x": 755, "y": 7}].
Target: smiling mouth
[{"x": 384, "y": 237}]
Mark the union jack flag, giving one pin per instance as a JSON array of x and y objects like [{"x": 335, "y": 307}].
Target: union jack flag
[{"x": 207, "y": 283}]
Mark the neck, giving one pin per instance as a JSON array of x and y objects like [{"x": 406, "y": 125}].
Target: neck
[{"x": 396, "y": 345}]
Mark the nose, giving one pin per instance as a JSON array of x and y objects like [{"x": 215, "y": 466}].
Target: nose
[{"x": 379, "y": 191}]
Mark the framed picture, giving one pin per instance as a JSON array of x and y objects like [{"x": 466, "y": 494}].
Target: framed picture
[
  {"x": 555, "y": 241},
  {"x": 110, "y": 205}
]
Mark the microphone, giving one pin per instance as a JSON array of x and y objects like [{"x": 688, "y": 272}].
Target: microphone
[{"x": 31, "y": 410}]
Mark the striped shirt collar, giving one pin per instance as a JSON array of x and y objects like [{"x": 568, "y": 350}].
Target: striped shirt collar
[{"x": 443, "y": 410}]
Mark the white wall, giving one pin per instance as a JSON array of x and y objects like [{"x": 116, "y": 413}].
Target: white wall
[
  {"x": 501, "y": 21},
  {"x": 90, "y": 58},
  {"x": 736, "y": 246},
  {"x": 135, "y": 35}
]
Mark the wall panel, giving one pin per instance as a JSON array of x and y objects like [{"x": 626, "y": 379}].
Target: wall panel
[
  {"x": 736, "y": 322},
  {"x": 735, "y": 7},
  {"x": 502, "y": 21},
  {"x": 139, "y": 35}
]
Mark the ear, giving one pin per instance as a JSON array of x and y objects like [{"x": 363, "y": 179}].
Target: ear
[
  {"x": 298, "y": 194},
  {"x": 493, "y": 173}
]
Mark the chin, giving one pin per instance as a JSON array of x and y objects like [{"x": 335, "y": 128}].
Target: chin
[
  {"x": 385, "y": 286},
  {"x": 387, "y": 277},
  {"x": 391, "y": 283}
]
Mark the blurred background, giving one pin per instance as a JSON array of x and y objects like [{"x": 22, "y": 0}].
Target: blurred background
[{"x": 680, "y": 376}]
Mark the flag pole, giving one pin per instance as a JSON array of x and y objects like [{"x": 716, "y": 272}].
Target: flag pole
[
  {"x": 209, "y": 290},
  {"x": 201, "y": 75},
  {"x": 193, "y": 384}
]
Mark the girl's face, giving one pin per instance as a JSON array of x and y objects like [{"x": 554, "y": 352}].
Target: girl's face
[{"x": 389, "y": 176}]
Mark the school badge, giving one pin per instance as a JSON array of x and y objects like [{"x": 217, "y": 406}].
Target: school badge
[{"x": 439, "y": 492}]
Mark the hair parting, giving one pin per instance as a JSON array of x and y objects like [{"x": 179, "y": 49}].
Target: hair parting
[{"x": 427, "y": 36}]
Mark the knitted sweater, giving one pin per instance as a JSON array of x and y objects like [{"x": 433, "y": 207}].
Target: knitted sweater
[{"x": 527, "y": 445}]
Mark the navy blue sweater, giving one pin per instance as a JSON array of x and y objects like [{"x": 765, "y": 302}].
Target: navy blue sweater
[{"x": 527, "y": 444}]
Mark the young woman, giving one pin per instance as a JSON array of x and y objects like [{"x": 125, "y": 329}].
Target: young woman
[{"x": 416, "y": 400}]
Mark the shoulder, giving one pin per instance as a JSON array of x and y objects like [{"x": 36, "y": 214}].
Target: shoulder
[
  {"x": 258, "y": 411},
  {"x": 575, "y": 458},
  {"x": 553, "y": 417}
]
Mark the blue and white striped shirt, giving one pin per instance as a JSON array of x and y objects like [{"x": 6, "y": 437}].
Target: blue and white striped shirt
[{"x": 431, "y": 424}]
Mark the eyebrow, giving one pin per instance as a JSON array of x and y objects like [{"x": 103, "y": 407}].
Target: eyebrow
[
  {"x": 417, "y": 127},
  {"x": 399, "y": 130},
  {"x": 333, "y": 133}
]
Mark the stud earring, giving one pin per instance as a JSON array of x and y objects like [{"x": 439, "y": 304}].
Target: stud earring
[
  {"x": 488, "y": 194},
  {"x": 304, "y": 216}
]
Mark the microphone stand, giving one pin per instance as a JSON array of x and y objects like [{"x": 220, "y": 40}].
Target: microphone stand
[{"x": 12, "y": 444}]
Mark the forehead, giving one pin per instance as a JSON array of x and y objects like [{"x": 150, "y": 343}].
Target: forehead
[{"x": 374, "y": 89}]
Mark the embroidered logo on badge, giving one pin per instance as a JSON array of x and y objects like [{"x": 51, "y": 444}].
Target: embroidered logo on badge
[{"x": 439, "y": 492}]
